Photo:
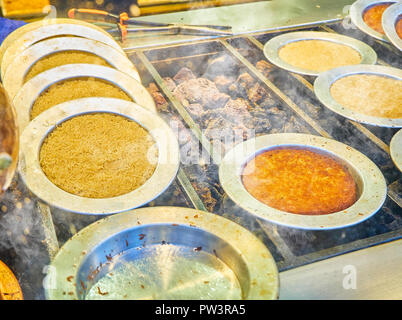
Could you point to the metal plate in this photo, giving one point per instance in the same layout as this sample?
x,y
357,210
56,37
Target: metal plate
x,y
389,20
396,149
173,242
14,76
356,14
32,89
369,179
41,186
9,287
46,31
13,36
272,47
322,87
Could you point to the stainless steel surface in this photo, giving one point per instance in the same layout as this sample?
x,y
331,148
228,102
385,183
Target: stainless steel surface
x,y
371,185
371,274
32,89
29,37
389,19
218,259
323,83
272,47
34,134
356,13
396,149
14,77
266,15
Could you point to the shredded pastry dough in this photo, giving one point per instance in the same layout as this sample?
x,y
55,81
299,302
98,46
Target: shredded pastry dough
x,y
98,155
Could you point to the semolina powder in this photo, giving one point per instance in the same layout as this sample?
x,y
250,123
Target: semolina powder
x,y
75,89
98,155
61,58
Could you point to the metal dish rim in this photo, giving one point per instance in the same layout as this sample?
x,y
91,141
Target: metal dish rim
x,y
396,149
373,189
272,47
389,19
324,81
35,179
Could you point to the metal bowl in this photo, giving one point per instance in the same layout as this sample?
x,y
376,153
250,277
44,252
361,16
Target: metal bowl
x,y
272,47
389,20
32,89
371,185
37,130
14,76
396,149
356,14
322,87
13,36
164,253
46,31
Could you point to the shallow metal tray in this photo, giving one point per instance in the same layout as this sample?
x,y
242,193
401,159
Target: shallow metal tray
x,y
389,20
370,182
396,149
14,76
356,14
34,134
46,31
32,89
322,87
13,36
171,253
272,47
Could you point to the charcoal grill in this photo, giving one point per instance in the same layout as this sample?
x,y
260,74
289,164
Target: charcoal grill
x,y
291,106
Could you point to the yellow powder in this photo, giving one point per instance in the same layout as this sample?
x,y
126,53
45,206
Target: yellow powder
x,y
62,58
98,155
318,55
24,5
370,95
75,89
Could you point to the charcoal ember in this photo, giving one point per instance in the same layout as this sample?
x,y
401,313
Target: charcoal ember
x,y
242,85
223,64
261,125
223,83
183,75
268,101
196,110
182,133
264,67
170,84
237,110
292,125
207,195
203,91
257,93
160,101
277,116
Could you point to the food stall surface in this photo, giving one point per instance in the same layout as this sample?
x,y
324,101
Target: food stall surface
x,y
266,100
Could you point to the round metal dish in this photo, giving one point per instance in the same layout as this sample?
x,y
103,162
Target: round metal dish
x,y
272,47
13,36
396,149
14,76
356,14
41,186
32,89
52,30
369,180
389,20
179,236
323,83
9,287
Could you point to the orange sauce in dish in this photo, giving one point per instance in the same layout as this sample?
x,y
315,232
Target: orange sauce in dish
x,y
372,16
